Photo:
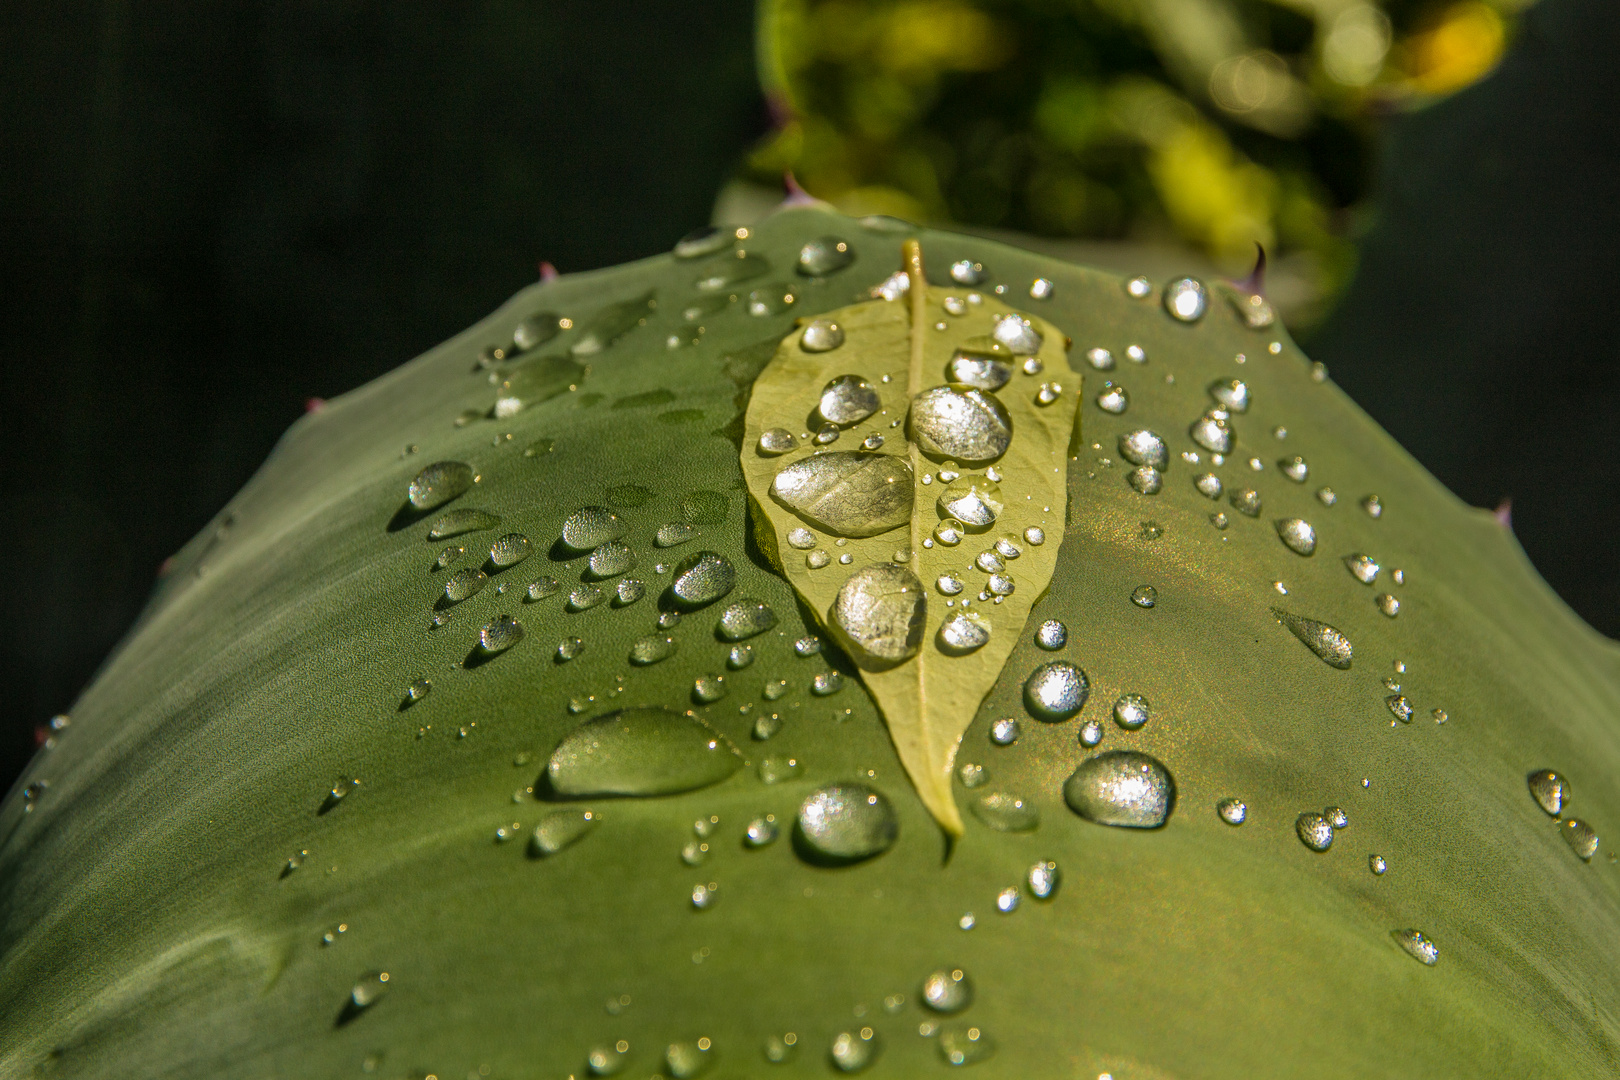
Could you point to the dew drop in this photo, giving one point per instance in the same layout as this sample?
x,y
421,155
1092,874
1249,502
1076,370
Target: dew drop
x,y
847,400
1007,901
1231,394
590,527
808,645
826,684
704,241
560,829
949,584
847,822
584,597
817,560
1417,946
1113,399
1145,479
1363,567
1004,811
853,1051
1091,733
1144,447
1550,790
1400,707
960,423
1315,831
1132,711
463,584
743,619
569,648
1325,496
509,550
989,562
948,990
1144,596
1246,501
967,272
448,556
683,1060
369,989
774,441
1186,299
611,559
702,578
1040,289
1297,535
824,256
1034,536
439,483
1389,605
1121,787
1583,841
607,1060
821,335
1043,879
1232,811
628,591
651,649
640,751
1056,691
973,501
461,521
963,633
1294,468
1372,506
849,493
1377,865
1004,732
879,615
500,634
974,369
1017,334
1212,432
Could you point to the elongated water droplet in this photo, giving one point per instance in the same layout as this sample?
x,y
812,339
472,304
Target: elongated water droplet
x,y
820,335
1144,447
1006,812
500,634
1388,604
948,990
702,578
591,526
1417,946
1232,811
1186,299
456,522
559,829
1044,878
847,822
960,423
1056,691
774,441
808,645
439,483
727,272
879,615
1315,831
850,493
1297,535
463,584
509,550
704,241
642,751
825,256
584,597
569,648
1400,707
847,400
775,768
1132,711
369,989
1550,790
652,649
1121,787
1583,841
1328,643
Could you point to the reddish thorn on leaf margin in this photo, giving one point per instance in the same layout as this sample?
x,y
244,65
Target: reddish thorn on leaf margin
x,y
796,195
1255,283
1504,513
314,404
547,272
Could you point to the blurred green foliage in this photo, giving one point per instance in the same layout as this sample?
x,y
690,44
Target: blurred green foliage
x,y
1215,123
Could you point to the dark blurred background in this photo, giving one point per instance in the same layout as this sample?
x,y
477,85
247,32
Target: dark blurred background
x,y
210,214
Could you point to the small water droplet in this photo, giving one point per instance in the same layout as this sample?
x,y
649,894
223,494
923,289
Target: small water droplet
x,y
1041,289
775,768
509,550
1113,399
1417,946
975,369
439,483
1246,501
500,634
1232,811
1132,711
683,1060
1583,841
761,831
809,645
824,256
1315,831
1144,596
948,990
1212,432
369,989
949,584
1372,506
1051,635
641,751
611,559
826,684
847,400
1091,733
873,441
967,921
590,527
1004,732
1326,496
584,597
1297,535
702,578
766,725
1231,394
1034,536
559,829
1294,468
1389,605
743,619
847,822
673,533
1363,567
960,423
949,532
652,649
1186,299
1336,817
963,633
1121,787
774,441
849,493
1007,901
629,591
448,556
972,775
1144,447
1377,865
463,584
972,501
1044,878
853,1051
821,335
1145,479
606,1060
461,521
569,648
695,853
1138,288
879,615
817,560
704,241
1550,790
1006,812
1056,691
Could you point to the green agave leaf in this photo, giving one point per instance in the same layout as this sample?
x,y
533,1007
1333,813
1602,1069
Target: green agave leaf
x,y
309,767
915,532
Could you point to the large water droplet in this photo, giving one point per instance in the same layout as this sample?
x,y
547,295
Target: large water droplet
x,y
965,1044
1417,946
500,634
879,615
1121,787
1186,299
702,579
559,829
960,423
853,1051
1143,447
1004,732
1132,711
651,649
439,483
1232,811
1212,432
1328,643
642,751
847,400
464,583
963,633
1056,691
1583,841
1232,394
825,256
1006,812
847,822
970,368
1315,831
456,522
1044,878
1550,791
851,493
591,526
1297,535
